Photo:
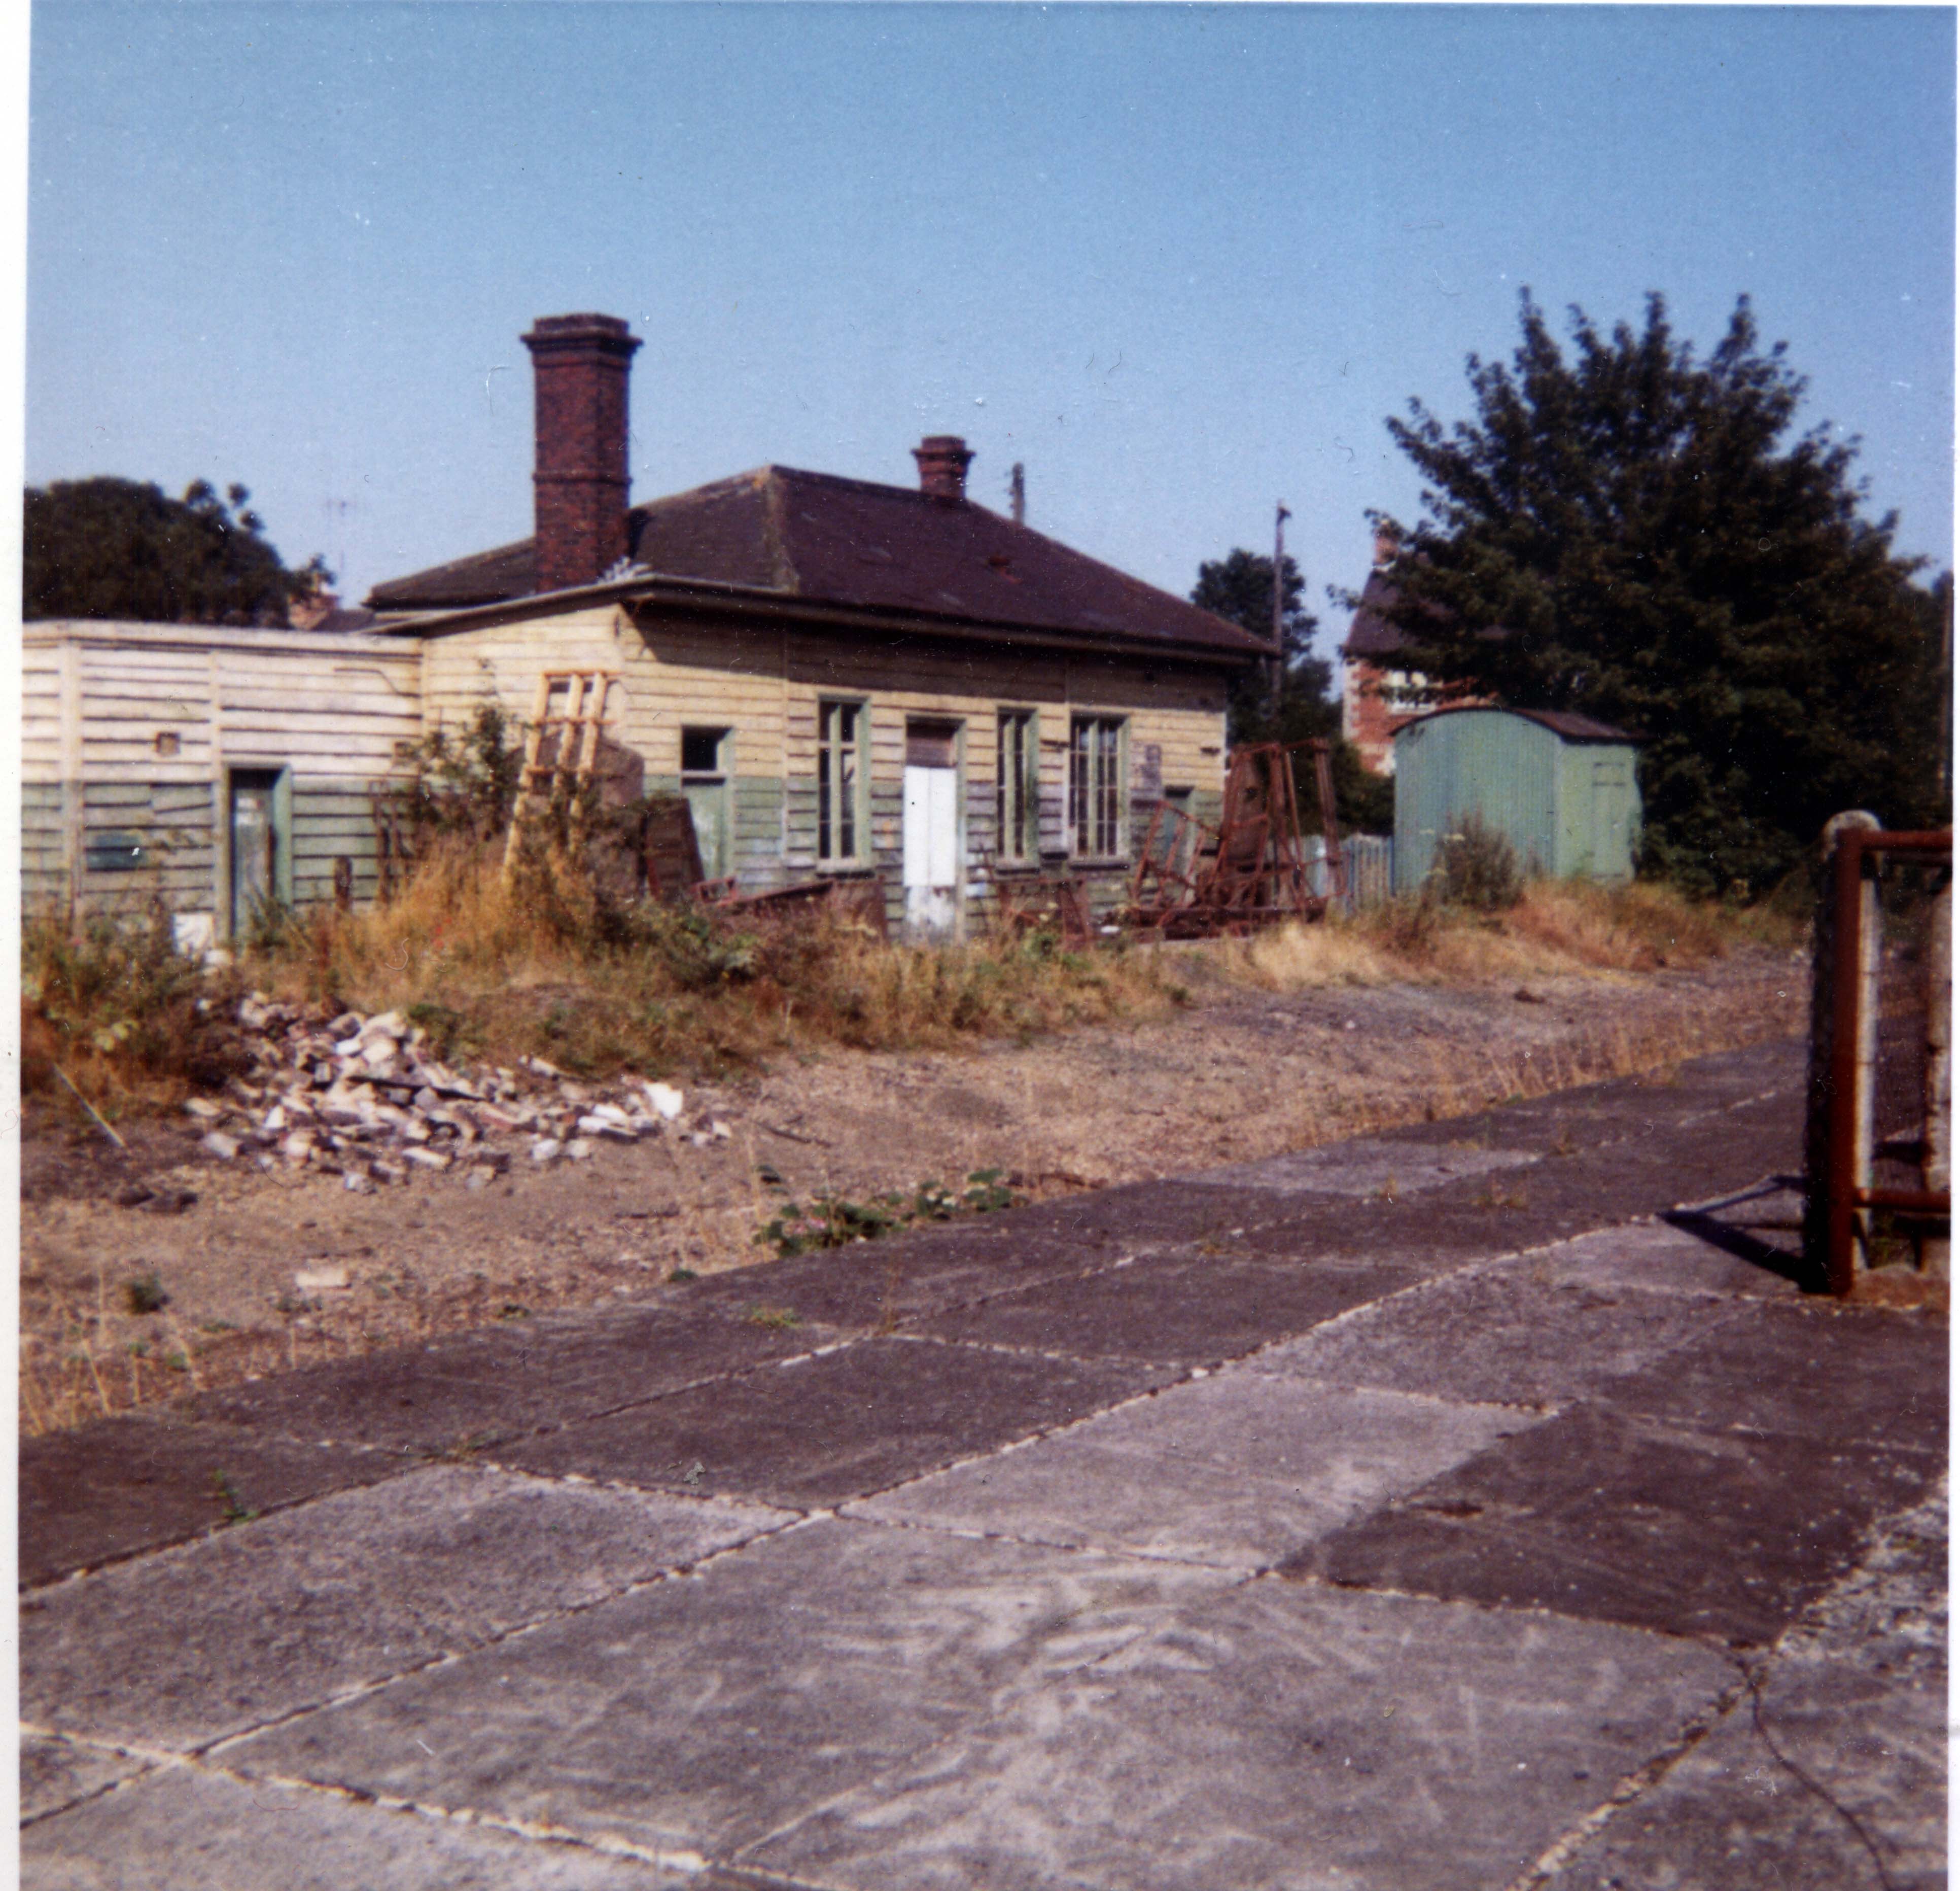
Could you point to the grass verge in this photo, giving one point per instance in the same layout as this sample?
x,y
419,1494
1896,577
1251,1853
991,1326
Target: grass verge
x,y
497,967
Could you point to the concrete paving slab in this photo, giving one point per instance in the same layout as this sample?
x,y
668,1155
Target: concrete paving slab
x,y
841,1425
501,1382
1831,1772
1815,1370
56,1772
1175,1309
1275,1737
107,1490
1498,1336
1655,1103
1653,1256
1236,1471
184,1647
1366,1167
186,1830
1138,1218
1595,1516
868,1285
707,1712
1510,1211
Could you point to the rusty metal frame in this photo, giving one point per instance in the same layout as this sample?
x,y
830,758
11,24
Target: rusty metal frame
x,y
1248,871
1844,1198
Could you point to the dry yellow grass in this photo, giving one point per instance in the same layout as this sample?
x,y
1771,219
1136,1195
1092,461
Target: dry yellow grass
x,y
1558,927
534,964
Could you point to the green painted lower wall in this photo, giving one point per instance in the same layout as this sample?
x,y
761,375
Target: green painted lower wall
x,y
143,843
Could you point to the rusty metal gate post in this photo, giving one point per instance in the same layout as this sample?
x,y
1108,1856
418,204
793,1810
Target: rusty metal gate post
x,y
1844,1016
1935,1161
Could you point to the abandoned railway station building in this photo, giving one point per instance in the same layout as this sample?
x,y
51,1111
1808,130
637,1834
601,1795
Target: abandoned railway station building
x,y
844,680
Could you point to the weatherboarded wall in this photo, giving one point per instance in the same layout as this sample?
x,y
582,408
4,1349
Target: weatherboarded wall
x,y
765,688
134,734
137,738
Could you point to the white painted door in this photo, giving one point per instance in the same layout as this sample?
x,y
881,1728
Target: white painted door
x,y
932,850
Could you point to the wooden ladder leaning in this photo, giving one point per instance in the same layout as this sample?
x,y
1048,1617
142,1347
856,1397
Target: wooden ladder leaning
x,y
561,745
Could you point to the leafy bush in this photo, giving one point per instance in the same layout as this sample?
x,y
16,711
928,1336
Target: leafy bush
x,y
1477,867
831,1222
465,783
112,1003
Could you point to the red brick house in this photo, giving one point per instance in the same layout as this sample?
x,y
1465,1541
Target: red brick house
x,y
1378,695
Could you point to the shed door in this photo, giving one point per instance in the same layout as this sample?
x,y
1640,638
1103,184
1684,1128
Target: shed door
x,y
932,828
1612,783
255,844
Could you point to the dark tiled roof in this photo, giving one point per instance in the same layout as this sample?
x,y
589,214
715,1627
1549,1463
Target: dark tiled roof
x,y
345,617
1577,728
488,577
1371,634
1560,722
827,540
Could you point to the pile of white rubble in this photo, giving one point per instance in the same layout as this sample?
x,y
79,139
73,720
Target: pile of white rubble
x,y
365,1099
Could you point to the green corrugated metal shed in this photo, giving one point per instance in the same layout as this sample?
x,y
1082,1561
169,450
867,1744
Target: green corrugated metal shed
x,y
1563,789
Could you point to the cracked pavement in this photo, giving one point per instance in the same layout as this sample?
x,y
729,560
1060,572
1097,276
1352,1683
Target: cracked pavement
x,y
1422,1511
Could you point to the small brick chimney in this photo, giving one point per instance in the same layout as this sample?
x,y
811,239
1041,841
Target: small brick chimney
x,y
579,364
943,460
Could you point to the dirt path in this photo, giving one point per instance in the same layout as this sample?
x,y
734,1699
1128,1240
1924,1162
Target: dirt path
x,y
252,1267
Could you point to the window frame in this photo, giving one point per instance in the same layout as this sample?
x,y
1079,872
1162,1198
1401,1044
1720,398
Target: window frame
x,y
1017,791
717,848
1098,754
843,777
720,771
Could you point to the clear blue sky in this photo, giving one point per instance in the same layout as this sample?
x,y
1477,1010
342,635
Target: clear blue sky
x,y
1182,261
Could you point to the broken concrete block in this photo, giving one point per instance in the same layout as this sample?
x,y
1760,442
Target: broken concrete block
x,y
357,1183
666,1100
204,1110
578,1150
320,1279
597,1126
221,1145
547,1149
426,1158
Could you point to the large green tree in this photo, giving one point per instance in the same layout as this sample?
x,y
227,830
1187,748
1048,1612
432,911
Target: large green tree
x,y
115,548
1637,533
1239,588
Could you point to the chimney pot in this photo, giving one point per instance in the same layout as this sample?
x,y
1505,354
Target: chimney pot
x,y
579,367
943,460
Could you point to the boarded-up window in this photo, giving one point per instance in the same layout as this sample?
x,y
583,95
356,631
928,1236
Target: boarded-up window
x,y
1095,787
1020,783
839,780
932,745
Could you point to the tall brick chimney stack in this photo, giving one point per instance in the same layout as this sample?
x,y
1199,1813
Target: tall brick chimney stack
x,y
580,364
943,460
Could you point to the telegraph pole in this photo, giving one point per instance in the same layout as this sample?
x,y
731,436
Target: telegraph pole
x,y
1276,669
